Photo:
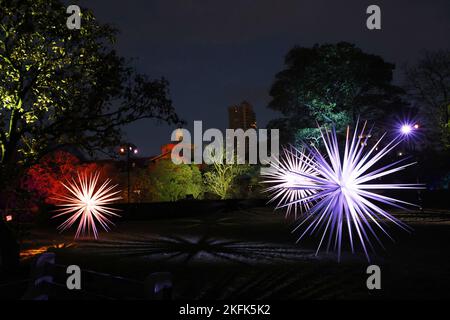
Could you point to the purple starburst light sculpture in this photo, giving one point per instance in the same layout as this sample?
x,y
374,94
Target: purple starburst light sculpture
x,y
88,201
343,193
286,175
407,128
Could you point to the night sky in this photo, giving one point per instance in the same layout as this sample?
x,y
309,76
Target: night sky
x,y
218,53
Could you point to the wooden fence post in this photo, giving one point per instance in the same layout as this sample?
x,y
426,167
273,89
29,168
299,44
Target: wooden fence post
x,y
158,286
41,277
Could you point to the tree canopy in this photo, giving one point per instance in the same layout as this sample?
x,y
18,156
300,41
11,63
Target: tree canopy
x,y
167,181
331,83
66,87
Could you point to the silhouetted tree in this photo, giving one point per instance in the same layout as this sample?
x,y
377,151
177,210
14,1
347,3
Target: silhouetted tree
x,y
331,83
66,87
220,177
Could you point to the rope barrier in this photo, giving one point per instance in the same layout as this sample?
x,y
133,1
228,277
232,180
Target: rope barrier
x,y
102,274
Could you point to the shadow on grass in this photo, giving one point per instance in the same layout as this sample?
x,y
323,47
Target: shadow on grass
x,y
199,249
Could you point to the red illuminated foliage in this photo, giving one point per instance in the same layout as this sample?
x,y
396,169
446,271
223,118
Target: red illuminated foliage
x,y
44,179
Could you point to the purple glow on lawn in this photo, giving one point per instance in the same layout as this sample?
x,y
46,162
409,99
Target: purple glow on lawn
x,y
342,191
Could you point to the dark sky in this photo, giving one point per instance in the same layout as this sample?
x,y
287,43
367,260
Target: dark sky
x,y
217,53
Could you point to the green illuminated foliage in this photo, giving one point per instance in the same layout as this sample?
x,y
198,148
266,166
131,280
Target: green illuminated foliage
x,y
332,84
63,87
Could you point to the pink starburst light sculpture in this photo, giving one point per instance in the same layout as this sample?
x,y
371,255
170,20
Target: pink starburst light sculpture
x,y
87,201
344,192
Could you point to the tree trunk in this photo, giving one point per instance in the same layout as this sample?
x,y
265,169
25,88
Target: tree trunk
x,y
9,249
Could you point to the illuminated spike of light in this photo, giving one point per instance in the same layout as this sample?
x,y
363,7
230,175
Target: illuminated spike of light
x,y
285,175
344,192
87,201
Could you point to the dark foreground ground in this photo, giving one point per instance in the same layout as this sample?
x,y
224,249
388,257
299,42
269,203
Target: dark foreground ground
x,y
245,254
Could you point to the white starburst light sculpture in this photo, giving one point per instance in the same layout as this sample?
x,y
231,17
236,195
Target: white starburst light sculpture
x,y
87,202
287,176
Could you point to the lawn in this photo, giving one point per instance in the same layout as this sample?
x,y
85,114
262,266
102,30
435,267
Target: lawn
x,y
252,254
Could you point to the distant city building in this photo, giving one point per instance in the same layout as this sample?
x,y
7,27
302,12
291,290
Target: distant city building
x,y
166,150
241,116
